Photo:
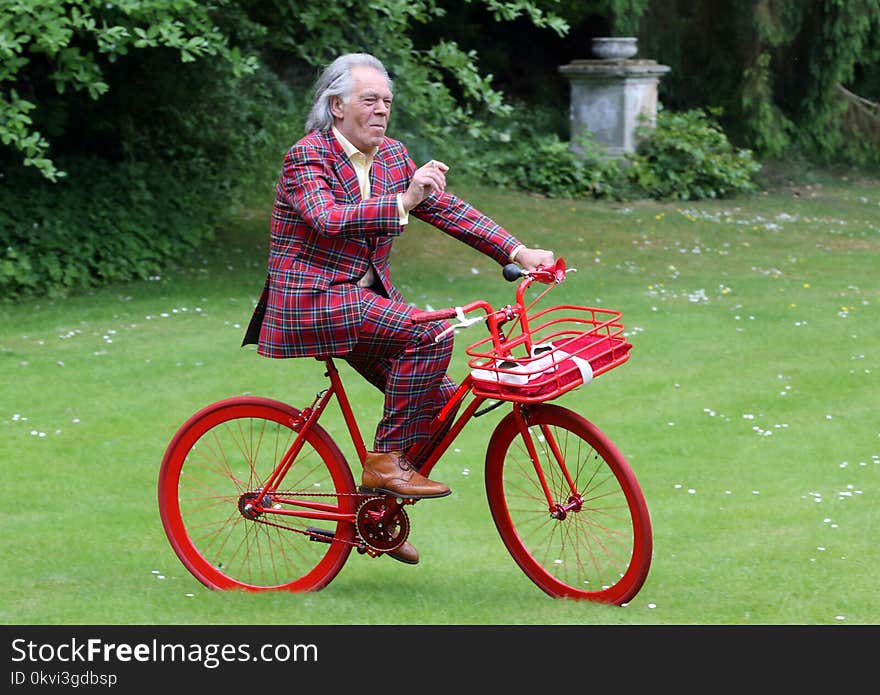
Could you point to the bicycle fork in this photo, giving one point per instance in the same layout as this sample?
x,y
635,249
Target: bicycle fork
x,y
557,510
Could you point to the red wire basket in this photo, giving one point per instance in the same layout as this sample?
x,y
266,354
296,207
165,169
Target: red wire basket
x,y
548,353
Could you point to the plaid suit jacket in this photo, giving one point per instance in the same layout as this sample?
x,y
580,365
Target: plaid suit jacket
x,y
324,237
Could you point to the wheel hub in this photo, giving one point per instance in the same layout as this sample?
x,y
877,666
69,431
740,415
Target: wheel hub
x,y
249,504
575,503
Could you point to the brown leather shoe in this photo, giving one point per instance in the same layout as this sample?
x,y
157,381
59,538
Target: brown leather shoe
x,y
389,473
405,553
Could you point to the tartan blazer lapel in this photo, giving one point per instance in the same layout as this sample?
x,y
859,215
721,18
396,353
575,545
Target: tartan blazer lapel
x,y
378,173
347,176
344,170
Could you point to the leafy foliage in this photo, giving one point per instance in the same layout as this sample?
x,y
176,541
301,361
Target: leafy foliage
x,y
775,67
91,230
50,48
686,156
69,45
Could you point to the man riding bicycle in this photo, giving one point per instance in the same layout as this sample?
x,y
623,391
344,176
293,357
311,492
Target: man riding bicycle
x,y
344,192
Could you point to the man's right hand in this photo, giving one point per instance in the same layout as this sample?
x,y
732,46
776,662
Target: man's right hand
x,y
428,179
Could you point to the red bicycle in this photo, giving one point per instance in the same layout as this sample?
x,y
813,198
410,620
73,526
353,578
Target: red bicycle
x,y
255,494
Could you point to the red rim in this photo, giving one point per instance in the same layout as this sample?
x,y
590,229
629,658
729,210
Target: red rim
x,y
220,454
601,550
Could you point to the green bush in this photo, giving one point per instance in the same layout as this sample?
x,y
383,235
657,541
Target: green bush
x,y
146,199
102,224
546,166
687,156
684,156
527,154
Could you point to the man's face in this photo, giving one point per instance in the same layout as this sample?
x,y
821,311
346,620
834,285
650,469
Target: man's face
x,y
364,117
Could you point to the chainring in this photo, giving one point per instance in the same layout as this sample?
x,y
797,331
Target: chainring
x,y
382,524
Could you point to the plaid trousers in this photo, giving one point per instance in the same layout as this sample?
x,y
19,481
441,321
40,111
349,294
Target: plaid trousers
x,y
402,359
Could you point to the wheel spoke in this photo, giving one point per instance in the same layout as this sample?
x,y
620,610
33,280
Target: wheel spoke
x,y
597,543
211,499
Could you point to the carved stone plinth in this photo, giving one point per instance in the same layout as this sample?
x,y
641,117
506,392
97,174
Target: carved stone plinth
x,y
609,97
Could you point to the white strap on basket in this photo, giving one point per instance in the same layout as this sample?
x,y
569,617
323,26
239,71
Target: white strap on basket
x,y
522,374
556,356
585,368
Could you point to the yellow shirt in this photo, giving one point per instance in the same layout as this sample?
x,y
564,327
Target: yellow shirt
x,y
360,161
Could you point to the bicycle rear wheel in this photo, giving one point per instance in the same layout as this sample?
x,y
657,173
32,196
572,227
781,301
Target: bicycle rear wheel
x,y
215,467
594,541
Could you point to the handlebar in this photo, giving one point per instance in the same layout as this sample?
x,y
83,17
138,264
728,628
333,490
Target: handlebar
x,y
513,272
551,275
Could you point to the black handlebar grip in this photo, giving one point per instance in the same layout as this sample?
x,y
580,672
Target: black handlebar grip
x,y
423,316
512,272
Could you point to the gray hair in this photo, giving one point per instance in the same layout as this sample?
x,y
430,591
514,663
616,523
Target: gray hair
x,y
335,81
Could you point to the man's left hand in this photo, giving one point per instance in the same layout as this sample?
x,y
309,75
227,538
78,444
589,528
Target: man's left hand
x,y
530,259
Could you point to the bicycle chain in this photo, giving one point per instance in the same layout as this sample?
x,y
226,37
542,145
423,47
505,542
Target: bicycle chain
x,y
358,543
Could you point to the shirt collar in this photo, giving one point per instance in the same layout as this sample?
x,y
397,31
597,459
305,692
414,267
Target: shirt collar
x,y
351,150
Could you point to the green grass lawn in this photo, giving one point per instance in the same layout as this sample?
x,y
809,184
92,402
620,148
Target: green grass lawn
x,y
748,410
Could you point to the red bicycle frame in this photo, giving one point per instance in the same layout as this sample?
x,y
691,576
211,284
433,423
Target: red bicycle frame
x,y
495,320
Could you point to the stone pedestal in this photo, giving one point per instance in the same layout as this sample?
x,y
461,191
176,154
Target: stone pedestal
x,y
609,97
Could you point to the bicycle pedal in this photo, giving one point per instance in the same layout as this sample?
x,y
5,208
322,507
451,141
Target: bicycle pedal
x,y
364,549
320,535
400,499
379,492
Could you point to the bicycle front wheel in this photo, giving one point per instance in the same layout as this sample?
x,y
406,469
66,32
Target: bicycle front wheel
x,y
574,519
215,468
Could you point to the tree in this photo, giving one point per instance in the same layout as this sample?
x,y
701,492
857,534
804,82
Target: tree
x,y
52,48
779,69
